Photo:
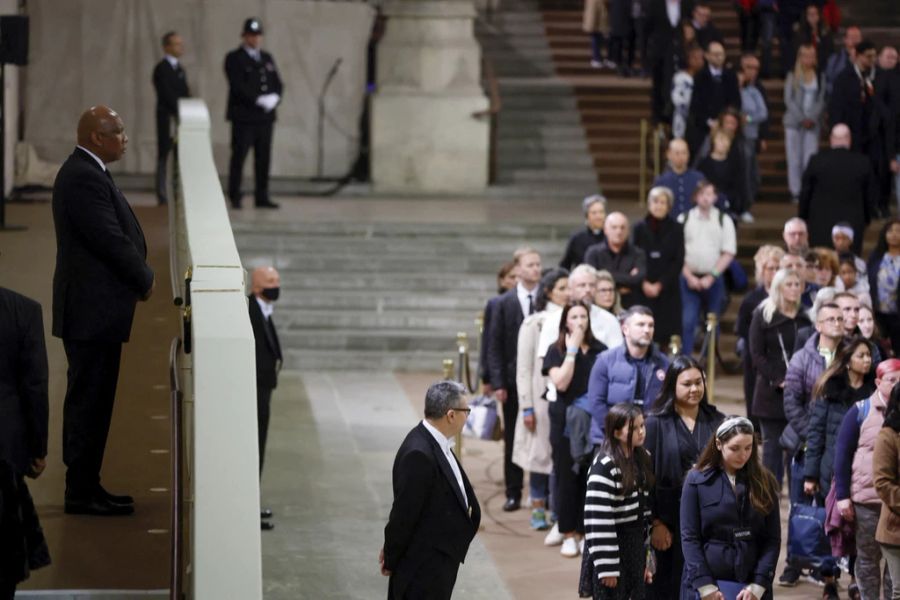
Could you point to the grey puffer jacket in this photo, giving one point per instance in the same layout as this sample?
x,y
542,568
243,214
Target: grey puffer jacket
x,y
804,369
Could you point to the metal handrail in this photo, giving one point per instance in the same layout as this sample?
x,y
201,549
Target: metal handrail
x,y
176,573
658,134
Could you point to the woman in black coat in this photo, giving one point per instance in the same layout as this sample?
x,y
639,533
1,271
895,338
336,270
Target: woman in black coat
x,y
849,378
676,433
766,262
662,240
773,333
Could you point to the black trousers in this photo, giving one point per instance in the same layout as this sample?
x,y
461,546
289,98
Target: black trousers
x,y
243,137
263,402
164,145
513,475
87,412
571,487
433,580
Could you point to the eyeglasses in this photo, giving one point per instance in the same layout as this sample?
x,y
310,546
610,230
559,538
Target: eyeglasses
x,y
465,410
606,290
832,320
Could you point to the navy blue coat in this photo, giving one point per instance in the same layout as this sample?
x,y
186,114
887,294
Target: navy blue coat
x,y
613,378
709,514
825,418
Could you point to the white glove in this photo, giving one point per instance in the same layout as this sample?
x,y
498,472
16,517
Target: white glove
x,y
268,102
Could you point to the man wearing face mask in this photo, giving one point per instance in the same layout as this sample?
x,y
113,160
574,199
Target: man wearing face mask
x,y
264,292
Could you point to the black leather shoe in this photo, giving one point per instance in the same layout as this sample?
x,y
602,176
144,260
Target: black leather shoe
x,y
511,504
113,498
266,513
267,204
97,506
266,525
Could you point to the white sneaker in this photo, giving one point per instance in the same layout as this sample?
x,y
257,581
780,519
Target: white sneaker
x,y
569,548
554,537
596,64
746,217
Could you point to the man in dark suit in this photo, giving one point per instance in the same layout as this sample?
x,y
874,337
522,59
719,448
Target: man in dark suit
x,y
511,309
265,289
838,185
853,98
101,273
663,31
435,513
704,29
23,435
254,90
715,89
170,84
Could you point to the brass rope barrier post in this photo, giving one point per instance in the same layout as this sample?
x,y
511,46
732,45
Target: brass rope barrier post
x,y
657,132
674,346
712,323
643,166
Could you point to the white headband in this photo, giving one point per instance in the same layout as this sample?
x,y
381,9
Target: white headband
x,y
731,423
848,231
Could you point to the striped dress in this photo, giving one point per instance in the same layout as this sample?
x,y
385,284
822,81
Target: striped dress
x,y
615,527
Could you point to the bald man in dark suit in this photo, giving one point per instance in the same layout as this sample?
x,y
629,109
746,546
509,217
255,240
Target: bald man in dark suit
x,y
101,274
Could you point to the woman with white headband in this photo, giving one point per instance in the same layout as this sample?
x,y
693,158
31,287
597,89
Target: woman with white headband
x,y
730,524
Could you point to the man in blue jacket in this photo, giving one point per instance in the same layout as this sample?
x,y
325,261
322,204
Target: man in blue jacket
x,y
632,372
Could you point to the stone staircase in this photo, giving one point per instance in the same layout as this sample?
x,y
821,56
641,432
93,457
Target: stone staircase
x,y
386,296
541,145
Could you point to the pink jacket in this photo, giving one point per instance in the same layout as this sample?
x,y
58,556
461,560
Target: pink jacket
x,y
862,486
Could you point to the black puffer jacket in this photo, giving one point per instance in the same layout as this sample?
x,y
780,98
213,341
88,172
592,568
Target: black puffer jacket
x,y
771,348
824,423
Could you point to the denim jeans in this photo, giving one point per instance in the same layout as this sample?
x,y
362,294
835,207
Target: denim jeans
x,y
692,301
538,486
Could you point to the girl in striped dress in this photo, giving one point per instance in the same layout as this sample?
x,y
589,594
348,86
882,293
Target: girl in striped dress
x,y
616,509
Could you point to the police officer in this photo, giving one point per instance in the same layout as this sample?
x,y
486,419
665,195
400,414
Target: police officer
x,y
170,83
254,92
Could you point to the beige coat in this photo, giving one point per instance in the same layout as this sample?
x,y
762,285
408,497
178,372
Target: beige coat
x,y
531,449
595,17
886,474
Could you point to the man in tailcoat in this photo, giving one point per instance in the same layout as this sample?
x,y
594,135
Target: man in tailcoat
x,y
170,83
101,273
435,514
265,289
254,90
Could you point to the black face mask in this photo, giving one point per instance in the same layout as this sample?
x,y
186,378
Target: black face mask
x,y
271,294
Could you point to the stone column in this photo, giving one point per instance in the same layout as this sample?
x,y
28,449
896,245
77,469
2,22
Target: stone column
x,y
424,137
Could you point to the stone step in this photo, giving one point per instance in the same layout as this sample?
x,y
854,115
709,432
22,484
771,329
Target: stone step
x,y
370,360
455,282
401,249
585,176
553,145
518,116
557,132
381,340
305,320
384,300
546,160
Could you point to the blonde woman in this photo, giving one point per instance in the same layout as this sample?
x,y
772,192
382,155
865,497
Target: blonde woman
x,y
765,261
606,295
804,100
773,333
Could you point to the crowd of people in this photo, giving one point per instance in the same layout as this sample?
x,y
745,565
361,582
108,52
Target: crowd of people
x,y
722,110
611,423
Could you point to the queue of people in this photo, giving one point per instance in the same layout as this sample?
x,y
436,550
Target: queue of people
x,y
633,469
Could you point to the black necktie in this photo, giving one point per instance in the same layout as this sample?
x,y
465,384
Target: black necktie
x,y
530,305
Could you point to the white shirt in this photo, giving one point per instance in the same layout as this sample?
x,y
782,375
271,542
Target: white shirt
x,y
266,307
714,71
94,156
253,52
523,295
172,61
446,445
705,239
673,10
